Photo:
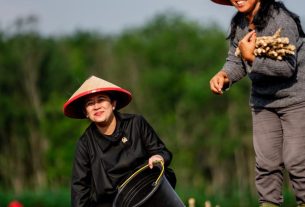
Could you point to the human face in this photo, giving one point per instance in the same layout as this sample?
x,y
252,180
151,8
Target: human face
x,y
250,7
99,109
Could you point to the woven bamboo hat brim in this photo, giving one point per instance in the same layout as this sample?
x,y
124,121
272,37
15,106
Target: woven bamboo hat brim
x,y
74,107
223,2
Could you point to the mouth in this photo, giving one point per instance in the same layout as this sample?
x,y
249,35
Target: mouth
x,y
99,113
240,3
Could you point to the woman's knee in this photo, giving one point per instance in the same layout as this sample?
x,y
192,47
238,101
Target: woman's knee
x,y
295,164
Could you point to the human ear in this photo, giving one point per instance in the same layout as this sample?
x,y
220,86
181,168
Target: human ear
x,y
113,105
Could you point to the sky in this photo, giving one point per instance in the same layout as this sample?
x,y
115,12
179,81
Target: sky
x,y
57,17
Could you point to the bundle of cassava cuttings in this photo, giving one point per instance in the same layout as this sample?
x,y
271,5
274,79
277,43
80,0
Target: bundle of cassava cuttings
x,y
275,46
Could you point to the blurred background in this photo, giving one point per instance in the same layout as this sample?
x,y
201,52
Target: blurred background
x,y
164,52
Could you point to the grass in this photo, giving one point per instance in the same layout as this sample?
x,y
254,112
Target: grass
x,y
46,198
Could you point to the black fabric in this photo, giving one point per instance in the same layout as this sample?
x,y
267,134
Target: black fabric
x,y
171,177
101,162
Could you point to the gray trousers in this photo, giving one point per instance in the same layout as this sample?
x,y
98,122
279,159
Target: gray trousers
x,y
279,143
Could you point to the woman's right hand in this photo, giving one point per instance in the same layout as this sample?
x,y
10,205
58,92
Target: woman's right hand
x,y
218,82
247,46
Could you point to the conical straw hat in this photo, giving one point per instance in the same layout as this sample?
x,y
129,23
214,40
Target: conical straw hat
x,y
223,2
74,107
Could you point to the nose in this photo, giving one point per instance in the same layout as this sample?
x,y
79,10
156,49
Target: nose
x,y
96,105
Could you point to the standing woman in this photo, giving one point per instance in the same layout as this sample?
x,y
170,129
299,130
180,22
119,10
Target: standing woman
x,y
113,145
277,98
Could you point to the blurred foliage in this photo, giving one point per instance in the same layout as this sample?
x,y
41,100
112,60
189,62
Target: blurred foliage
x,y
167,64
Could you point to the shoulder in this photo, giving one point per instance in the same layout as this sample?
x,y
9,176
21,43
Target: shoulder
x,y
84,138
131,117
87,141
135,120
283,18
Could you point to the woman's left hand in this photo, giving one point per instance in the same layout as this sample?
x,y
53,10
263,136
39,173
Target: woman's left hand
x,y
247,46
153,159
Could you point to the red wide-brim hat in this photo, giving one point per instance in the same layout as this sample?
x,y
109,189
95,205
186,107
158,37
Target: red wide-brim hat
x,y
223,2
74,107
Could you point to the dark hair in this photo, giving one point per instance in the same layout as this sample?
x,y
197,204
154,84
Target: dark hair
x,y
263,15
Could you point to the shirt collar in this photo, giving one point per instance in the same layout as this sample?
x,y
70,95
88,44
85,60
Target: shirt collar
x,y
107,140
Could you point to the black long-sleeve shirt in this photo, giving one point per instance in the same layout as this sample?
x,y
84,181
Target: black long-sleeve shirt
x,y
102,162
